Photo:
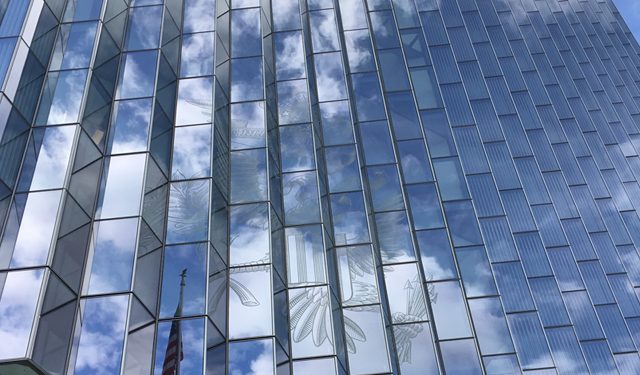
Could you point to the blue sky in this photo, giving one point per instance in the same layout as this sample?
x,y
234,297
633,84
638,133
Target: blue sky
x,y
630,10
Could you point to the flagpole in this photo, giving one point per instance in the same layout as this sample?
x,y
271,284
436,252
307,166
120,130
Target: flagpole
x,y
183,283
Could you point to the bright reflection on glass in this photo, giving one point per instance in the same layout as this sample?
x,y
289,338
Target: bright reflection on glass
x,y
491,326
30,229
121,194
177,259
46,166
249,234
195,102
188,211
191,152
250,310
342,169
111,263
192,334
101,337
130,127
319,366
19,292
251,357
394,237
296,148
435,251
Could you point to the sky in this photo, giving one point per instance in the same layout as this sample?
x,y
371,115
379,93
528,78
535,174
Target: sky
x,y
630,10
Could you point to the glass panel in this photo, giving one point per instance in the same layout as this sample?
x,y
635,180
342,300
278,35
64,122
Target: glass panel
x,y
449,311
18,300
404,293
249,234
247,125
74,46
121,194
300,198
244,354
248,176
130,127
46,167
61,100
460,357
386,192
30,229
188,211
476,272
425,206
394,237
330,77
246,79
293,102
199,15
415,349
191,152
305,255
437,258
190,261
311,305
342,169
366,340
414,161
491,326
195,101
296,148
349,219
250,310
144,28
102,331
111,263
324,35
289,53
191,333
357,275
138,75
81,10
196,58
245,33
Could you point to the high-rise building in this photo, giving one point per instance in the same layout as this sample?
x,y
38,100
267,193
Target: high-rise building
x,y
317,187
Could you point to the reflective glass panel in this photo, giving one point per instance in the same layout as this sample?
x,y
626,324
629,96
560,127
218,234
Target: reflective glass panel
x,y
122,190
305,255
191,152
248,125
195,101
188,211
249,234
111,264
18,301
250,302
102,331
46,166
130,127
192,335
190,261
138,75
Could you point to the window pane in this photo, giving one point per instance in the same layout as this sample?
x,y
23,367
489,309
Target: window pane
x,y
130,127
191,152
177,259
111,266
188,211
194,101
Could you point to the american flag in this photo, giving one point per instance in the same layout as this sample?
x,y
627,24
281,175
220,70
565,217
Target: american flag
x,y
174,353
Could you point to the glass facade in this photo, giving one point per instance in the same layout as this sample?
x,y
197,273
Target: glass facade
x,y
317,187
